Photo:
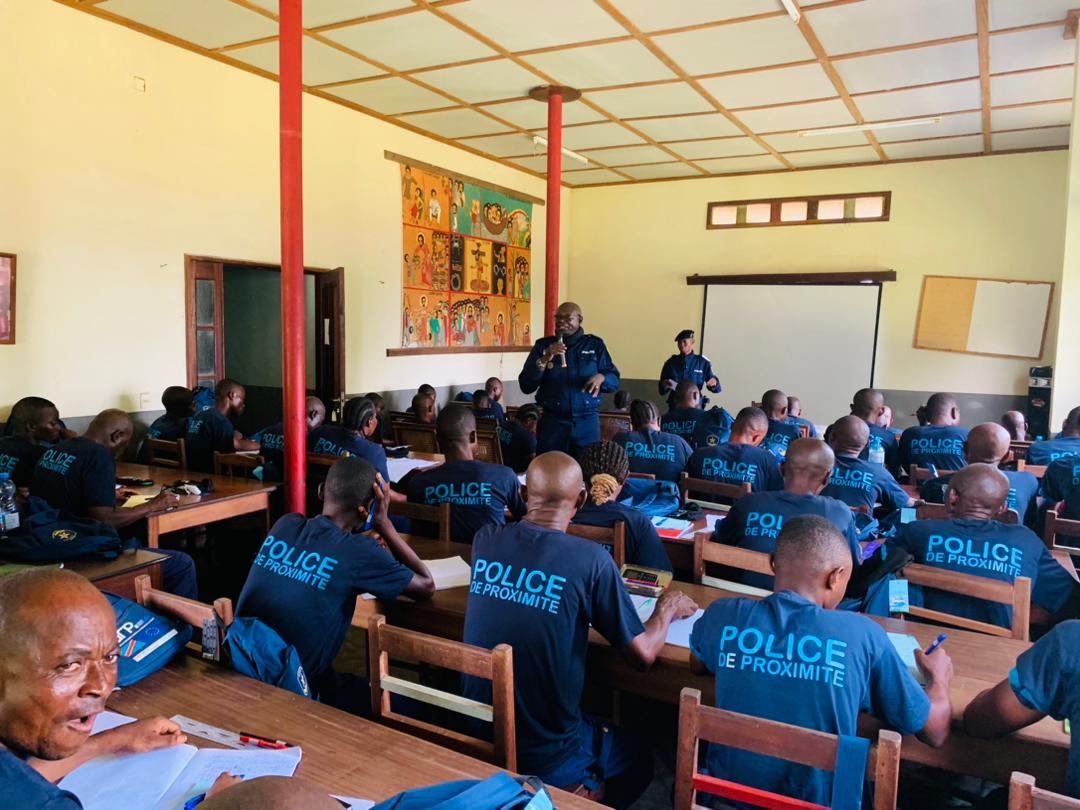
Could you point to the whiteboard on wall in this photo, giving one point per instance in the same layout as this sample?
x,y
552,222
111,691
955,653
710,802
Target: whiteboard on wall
x,y
995,317
814,342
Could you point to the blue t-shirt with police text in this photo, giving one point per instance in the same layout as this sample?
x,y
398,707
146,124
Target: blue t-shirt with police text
x,y
787,659
272,449
861,483
539,590
334,440
208,432
479,494
518,445
684,423
737,464
643,544
1049,451
76,475
940,445
1061,478
18,457
655,452
780,437
304,582
1023,489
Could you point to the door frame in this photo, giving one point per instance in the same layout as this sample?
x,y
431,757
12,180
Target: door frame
x,y
212,267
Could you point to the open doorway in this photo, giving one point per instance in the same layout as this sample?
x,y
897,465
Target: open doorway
x,y
234,330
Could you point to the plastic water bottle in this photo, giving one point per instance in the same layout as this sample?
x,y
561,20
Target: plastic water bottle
x,y
9,512
877,451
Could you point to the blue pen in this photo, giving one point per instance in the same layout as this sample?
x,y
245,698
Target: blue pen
x,y
937,643
194,801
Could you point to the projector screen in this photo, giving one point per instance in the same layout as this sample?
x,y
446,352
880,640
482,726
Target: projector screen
x,y
814,342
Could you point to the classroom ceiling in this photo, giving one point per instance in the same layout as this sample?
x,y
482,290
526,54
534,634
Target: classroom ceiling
x,y
671,88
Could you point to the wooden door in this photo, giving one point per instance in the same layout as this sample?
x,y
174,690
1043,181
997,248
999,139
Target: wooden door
x,y
330,340
204,297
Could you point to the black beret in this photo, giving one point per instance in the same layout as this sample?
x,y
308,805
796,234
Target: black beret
x,y
685,334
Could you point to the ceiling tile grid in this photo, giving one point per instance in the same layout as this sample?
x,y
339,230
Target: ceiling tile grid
x,y
671,89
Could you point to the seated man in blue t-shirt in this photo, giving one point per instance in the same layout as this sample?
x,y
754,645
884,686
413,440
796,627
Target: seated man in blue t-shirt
x,y
518,437
795,417
869,405
781,432
35,424
272,439
857,482
988,443
179,404
792,658
1045,681
604,467
79,476
353,437
1061,479
494,389
649,449
971,541
1065,444
479,493
686,415
940,442
739,460
58,666
211,431
539,589
308,573
755,520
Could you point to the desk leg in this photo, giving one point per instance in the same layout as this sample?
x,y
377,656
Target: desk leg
x,y
152,533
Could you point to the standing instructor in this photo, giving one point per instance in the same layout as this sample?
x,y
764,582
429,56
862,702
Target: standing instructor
x,y
687,366
569,371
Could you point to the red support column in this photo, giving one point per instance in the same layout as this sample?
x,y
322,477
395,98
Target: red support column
x,y
552,208
290,15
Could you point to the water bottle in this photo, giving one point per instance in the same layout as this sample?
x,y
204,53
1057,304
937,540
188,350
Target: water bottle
x,y
9,512
877,451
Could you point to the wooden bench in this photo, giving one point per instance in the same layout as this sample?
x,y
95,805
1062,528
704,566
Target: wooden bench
x,y
614,538
732,492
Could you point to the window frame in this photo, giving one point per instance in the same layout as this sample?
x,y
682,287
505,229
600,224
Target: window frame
x,y
812,201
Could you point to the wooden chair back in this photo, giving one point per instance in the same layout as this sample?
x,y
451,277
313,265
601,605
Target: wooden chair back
x,y
645,476
937,511
1019,449
614,538
1016,595
816,749
1038,470
318,467
237,465
419,437
436,515
804,430
495,665
612,424
488,447
730,491
859,510
917,473
399,416
1057,526
163,453
197,614
1023,795
742,559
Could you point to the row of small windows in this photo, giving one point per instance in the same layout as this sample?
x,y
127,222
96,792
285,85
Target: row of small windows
x,y
824,210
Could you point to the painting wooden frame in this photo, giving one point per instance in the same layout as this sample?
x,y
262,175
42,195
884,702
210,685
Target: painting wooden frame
x,y
7,298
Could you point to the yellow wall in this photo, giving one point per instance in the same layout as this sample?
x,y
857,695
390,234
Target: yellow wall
x,y
1001,216
105,189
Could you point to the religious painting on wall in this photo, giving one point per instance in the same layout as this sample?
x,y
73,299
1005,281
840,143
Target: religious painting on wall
x,y
466,264
7,297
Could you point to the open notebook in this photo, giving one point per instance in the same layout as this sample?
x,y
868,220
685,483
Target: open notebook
x,y
167,778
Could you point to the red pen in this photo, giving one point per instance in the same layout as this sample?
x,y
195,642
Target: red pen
x,y
263,742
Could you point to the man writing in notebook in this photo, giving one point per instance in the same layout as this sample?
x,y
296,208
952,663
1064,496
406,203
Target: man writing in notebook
x,y
538,588
792,658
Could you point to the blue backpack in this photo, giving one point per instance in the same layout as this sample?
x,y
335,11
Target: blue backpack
x,y
255,650
52,535
498,792
147,641
651,497
203,398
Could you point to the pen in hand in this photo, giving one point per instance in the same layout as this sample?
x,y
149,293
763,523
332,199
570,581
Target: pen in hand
x,y
937,643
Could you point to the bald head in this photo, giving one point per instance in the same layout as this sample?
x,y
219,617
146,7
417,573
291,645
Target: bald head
x,y
941,409
568,318
456,425
774,403
812,558
794,406
687,394
112,429
849,436
555,490
272,793
1016,423
750,426
867,404
987,443
58,661
424,408
978,491
807,466
315,412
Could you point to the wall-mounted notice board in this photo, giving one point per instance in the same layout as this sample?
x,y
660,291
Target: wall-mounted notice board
x,y
988,316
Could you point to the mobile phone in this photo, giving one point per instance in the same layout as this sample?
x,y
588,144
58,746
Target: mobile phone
x,y
907,514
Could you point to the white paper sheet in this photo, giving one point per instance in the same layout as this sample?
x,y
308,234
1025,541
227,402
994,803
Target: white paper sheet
x,y
400,467
451,572
354,803
209,763
679,630
906,646
109,720
137,781
711,521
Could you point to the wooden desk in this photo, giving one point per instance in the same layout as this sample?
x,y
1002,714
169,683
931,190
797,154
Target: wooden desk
x,y
342,754
118,576
980,662
231,498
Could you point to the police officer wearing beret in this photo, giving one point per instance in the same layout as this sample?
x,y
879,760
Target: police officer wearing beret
x,y
570,371
687,366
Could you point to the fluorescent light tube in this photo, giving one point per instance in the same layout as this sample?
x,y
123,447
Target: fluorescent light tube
x,y
540,141
909,122
792,10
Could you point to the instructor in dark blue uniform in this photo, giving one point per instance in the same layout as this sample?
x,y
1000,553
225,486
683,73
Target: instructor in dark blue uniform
x,y
687,366
569,371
